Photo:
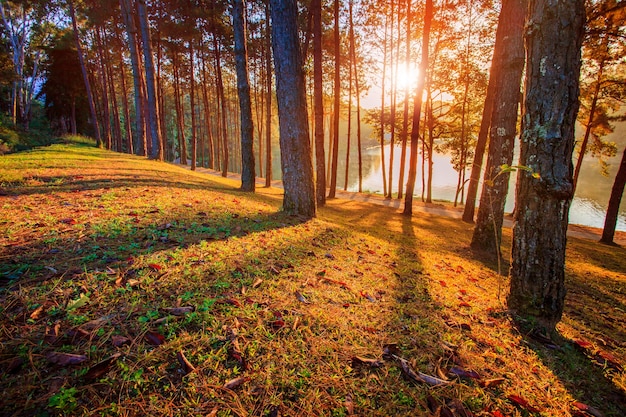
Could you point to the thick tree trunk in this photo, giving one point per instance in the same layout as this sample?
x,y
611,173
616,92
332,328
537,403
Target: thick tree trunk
x,y
554,33
417,110
153,108
318,98
507,69
245,103
83,69
297,167
612,211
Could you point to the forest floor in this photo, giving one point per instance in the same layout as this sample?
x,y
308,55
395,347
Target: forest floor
x,y
132,287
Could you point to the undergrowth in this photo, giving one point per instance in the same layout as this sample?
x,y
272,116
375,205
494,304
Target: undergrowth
x,y
131,287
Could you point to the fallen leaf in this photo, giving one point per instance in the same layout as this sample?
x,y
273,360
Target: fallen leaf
x,y
155,267
155,339
78,303
230,301
68,221
179,311
65,359
583,344
302,298
373,363
522,402
443,283
235,382
418,376
496,414
369,297
349,405
464,304
101,368
462,373
119,341
258,282
184,362
97,323
37,313
587,409
490,383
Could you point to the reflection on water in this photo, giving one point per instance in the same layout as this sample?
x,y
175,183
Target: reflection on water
x,y
588,207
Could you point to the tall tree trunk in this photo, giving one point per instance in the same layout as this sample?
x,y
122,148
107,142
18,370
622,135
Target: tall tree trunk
x,y
83,69
243,90
394,95
612,211
417,110
222,102
268,112
507,69
336,104
589,127
106,125
135,60
550,107
295,146
127,122
207,118
192,105
382,109
318,98
405,118
180,112
153,108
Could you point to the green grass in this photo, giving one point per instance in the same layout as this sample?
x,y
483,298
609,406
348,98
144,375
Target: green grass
x,y
107,254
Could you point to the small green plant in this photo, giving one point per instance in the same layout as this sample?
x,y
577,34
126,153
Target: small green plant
x,y
64,400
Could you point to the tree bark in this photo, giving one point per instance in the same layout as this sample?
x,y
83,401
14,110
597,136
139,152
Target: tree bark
x,y
192,105
318,99
554,33
336,105
507,69
417,110
405,119
297,167
612,212
83,69
268,111
243,89
153,109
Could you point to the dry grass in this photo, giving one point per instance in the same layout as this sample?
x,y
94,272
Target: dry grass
x,y
97,248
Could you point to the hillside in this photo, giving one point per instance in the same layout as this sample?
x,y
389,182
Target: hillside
x,y
133,287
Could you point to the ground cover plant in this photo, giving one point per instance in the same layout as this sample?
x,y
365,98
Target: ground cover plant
x,y
133,287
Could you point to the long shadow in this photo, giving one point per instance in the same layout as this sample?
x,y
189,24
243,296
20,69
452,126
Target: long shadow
x,y
111,245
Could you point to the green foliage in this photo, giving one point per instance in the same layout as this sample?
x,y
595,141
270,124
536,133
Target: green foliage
x,y
64,401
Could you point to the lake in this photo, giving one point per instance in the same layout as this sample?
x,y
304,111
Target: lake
x,y
588,207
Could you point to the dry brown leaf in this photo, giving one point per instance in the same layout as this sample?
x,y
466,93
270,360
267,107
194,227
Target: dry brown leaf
x,y
184,362
235,382
101,368
65,359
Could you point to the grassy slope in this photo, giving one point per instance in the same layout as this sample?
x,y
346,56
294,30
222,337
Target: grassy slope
x,y
135,238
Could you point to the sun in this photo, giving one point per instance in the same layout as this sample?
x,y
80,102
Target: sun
x,y
407,76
